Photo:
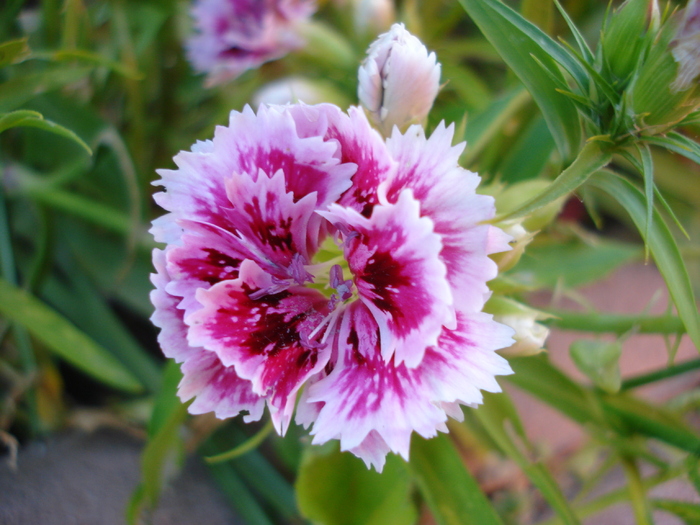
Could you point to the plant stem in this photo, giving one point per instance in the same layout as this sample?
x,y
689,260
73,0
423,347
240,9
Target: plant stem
x,y
243,448
658,375
615,323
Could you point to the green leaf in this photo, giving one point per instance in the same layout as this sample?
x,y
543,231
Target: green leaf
x,y
164,442
678,143
662,245
69,55
591,158
600,361
33,119
650,421
648,174
571,264
64,339
688,512
336,488
585,50
536,375
482,127
528,157
14,51
496,414
451,492
518,41
21,89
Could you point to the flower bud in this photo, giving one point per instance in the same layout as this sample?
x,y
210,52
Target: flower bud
x,y
398,81
373,16
623,38
529,336
686,49
664,91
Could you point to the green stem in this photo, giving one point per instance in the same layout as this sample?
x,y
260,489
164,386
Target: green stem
x,y
637,492
658,375
243,448
592,157
615,323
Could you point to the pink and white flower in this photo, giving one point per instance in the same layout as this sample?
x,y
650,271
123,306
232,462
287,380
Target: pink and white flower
x,y
232,36
311,263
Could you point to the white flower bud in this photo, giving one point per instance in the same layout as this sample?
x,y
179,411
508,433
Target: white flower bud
x,y
529,335
398,81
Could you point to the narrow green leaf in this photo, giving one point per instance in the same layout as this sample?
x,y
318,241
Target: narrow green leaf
x,y
648,175
678,143
66,341
32,119
451,492
67,55
236,491
662,245
336,488
591,158
517,41
482,127
9,120
164,442
20,89
536,375
651,421
585,50
497,412
688,512
14,51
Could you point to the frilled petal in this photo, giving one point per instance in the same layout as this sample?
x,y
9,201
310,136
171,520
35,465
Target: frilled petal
x,y
217,388
359,144
429,167
373,406
263,333
268,141
394,257
272,227
364,393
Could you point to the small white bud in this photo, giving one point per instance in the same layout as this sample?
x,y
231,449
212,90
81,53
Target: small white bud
x,y
529,334
398,81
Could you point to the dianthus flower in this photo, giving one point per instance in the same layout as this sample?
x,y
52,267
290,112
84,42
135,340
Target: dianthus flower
x,y
308,258
232,36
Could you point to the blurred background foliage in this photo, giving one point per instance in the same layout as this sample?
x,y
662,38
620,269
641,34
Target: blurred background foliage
x,y
96,95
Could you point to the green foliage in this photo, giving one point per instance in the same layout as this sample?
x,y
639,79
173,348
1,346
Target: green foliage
x,y
95,96
336,488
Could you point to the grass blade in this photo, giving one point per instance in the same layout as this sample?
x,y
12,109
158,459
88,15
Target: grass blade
x,y
64,339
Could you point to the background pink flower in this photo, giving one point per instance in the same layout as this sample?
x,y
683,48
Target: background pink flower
x,y
232,36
